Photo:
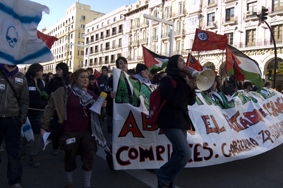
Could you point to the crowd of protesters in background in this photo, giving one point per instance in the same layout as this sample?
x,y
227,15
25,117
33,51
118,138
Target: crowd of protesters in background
x,y
43,86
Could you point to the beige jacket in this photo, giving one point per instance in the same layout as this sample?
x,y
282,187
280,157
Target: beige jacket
x,y
56,102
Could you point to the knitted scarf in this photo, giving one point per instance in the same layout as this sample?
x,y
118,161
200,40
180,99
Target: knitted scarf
x,y
86,99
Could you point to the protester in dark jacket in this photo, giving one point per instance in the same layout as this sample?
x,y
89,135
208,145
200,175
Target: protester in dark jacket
x,y
37,101
93,85
60,79
13,112
103,79
174,119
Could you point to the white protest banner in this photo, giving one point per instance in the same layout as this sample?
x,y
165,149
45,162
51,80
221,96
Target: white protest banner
x,y
226,128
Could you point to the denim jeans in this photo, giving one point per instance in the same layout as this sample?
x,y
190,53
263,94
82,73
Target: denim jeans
x,y
10,130
179,158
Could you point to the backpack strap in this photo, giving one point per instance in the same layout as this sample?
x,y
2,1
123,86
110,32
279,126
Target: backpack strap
x,y
173,82
67,91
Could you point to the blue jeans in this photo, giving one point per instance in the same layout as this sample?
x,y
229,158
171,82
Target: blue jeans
x,y
179,158
10,130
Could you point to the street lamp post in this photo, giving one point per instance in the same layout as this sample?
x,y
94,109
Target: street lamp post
x,y
83,46
171,24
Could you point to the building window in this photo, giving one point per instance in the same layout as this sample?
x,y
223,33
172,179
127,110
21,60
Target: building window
x,y
165,49
277,5
120,28
144,35
167,12
178,27
229,15
230,38
83,17
277,32
120,42
252,7
178,46
82,26
181,7
155,13
250,37
107,32
154,33
106,60
210,2
210,18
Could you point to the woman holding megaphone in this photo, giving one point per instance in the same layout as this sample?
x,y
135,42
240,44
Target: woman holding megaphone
x,y
179,92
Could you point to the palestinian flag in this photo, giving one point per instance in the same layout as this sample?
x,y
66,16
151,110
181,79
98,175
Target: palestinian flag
x,y
242,66
153,60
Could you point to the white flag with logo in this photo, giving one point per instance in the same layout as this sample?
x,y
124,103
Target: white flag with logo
x,y
19,43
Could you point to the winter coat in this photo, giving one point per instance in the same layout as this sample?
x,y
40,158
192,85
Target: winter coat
x,y
55,83
35,99
9,106
175,113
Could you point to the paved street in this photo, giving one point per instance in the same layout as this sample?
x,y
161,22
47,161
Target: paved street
x,y
263,171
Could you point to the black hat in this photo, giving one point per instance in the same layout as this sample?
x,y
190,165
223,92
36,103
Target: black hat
x,y
153,71
173,62
140,67
91,77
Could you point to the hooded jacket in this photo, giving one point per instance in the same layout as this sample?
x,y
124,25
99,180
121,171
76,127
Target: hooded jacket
x,y
9,106
175,113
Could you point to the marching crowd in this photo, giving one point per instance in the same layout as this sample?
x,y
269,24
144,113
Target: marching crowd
x,y
64,99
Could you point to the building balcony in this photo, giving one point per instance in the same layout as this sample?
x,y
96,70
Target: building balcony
x,y
211,25
135,43
144,24
165,35
178,33
231,21
276,11
135,26
144,40
250,16
212,4
228,1
154,38
178,14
